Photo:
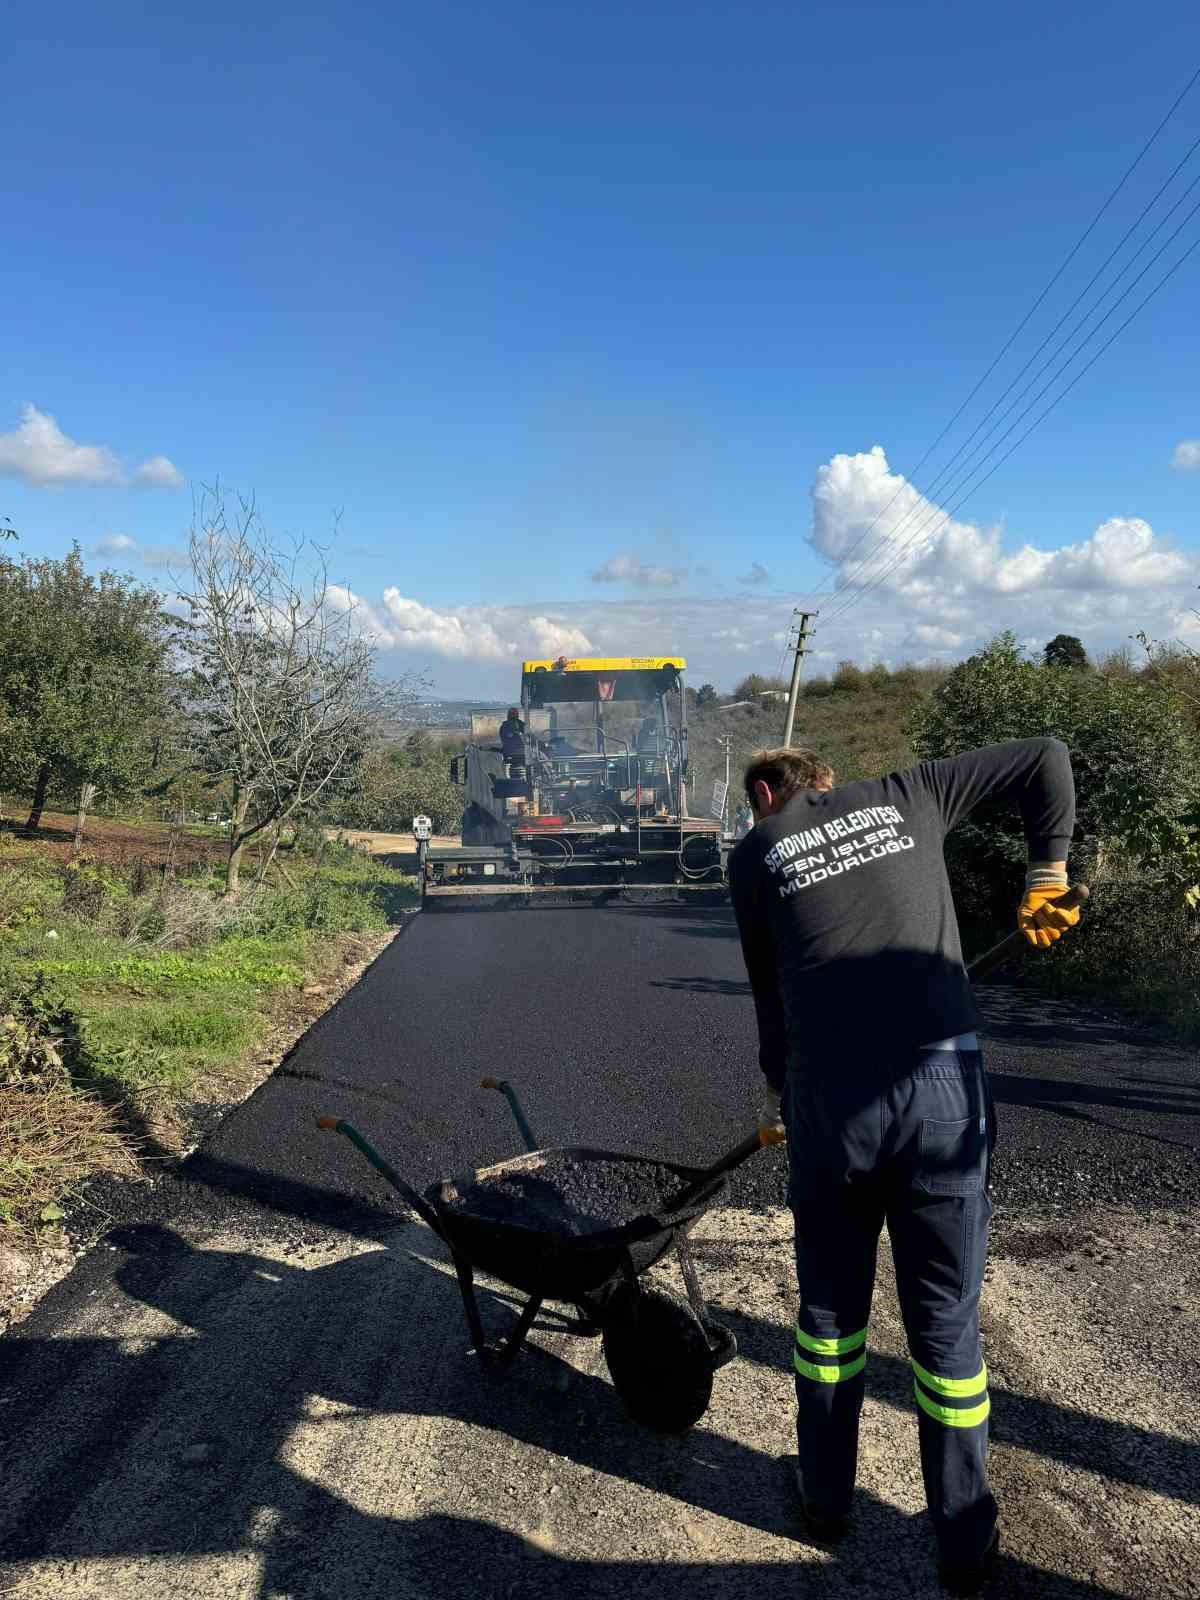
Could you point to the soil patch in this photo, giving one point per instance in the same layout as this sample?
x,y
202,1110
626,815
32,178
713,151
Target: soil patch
x,y
119,843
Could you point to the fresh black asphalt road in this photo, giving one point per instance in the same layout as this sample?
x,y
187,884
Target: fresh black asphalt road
x,y
630,1027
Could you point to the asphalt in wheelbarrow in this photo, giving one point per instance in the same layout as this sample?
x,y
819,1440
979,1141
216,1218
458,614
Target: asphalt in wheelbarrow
x,y
570,1195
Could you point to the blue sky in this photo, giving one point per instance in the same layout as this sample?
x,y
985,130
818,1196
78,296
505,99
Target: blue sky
x,y
532,292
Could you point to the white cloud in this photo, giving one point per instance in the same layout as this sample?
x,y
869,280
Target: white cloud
x,y
43,456
955,589
1186,457
558,638
468,633
446,633
758,574
115,544
882,534
159,473
120,544
933,637
632,570
41,453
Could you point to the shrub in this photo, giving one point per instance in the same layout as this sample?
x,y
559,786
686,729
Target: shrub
x,y
39,1032
1137,772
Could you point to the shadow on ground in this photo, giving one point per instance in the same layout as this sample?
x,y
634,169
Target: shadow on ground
x,y
263,1340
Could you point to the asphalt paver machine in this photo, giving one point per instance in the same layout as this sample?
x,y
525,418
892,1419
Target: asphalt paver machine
x,y
588,795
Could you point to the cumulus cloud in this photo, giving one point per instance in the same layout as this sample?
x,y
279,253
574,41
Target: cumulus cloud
x,y
115,544
41,453
1186,457
881,533
43,456
632,570
931,637
467,633
159,473
758,574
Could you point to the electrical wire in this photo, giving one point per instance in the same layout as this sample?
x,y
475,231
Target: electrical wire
x,y
966,471
861,594
932,488
1019,329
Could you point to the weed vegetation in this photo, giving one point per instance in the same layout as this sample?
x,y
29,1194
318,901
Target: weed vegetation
x,y
124,993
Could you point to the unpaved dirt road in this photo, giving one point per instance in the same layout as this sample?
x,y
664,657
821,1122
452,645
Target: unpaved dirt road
x,y
258,1384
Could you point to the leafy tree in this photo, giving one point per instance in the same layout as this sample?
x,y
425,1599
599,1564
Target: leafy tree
x,y
388,792
1065,650
754,684
83,671
706,695
418,747
1137,772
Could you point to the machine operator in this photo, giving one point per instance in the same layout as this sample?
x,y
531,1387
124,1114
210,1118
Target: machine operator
x,y
512,742
867,1040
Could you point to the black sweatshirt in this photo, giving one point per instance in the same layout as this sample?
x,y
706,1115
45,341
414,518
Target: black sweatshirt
x,y
844,908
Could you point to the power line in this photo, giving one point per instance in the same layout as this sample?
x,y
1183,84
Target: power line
x,y
1019,329
948,515
949,465
973,465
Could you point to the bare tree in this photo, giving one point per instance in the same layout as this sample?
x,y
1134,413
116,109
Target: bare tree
x,y
283,698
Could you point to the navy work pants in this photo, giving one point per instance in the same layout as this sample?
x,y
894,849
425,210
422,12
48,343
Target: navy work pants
x,y
908,1145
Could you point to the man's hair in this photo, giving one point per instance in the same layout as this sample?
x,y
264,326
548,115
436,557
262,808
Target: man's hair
x,y
786,771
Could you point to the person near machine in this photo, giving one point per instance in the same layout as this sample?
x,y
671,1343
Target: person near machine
x,y
647,737
512,743
867,1041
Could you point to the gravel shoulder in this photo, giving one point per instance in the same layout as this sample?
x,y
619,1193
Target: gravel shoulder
x,y
300,1416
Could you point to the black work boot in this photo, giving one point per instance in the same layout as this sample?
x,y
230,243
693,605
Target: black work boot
x,y
825,1530
970,1580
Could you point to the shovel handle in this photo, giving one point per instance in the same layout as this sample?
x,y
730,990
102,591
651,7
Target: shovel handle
x,y
726,1163
1016,941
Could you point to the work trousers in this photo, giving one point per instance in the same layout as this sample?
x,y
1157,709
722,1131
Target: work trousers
x,y
908,1144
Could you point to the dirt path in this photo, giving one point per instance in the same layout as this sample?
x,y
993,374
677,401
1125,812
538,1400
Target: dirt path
x,y
268,1419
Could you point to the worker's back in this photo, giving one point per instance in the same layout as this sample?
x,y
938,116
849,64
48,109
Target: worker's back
x,y
847,890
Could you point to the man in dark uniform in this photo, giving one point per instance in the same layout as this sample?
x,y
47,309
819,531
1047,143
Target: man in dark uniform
x,y
512,743
867,1040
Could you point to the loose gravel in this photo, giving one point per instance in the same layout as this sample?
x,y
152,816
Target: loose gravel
x,y
569,1194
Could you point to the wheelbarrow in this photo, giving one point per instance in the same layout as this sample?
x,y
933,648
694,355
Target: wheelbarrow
x,y
661,1351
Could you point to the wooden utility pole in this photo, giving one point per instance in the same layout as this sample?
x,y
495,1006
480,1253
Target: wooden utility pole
x,y
803,634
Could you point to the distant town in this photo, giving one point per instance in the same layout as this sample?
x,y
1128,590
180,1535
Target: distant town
x,y
445,713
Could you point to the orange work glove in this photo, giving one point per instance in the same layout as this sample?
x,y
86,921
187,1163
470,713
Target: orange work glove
x,y
1039,919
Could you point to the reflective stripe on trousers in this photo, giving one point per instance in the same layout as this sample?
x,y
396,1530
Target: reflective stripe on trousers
x,y
910,1147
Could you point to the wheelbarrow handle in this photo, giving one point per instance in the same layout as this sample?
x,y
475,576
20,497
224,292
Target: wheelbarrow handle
x,y
1016,941
384,1167
510,1094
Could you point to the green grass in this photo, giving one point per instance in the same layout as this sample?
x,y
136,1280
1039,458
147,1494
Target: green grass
x,y
152,1021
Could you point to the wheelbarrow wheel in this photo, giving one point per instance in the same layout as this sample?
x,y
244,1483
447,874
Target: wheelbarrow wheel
x,y
659,1359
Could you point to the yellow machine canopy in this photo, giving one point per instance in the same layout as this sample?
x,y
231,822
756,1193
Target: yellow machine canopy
x,y
600,678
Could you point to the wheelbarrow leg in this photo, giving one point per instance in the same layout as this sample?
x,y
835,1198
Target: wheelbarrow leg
x,y
498,1358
